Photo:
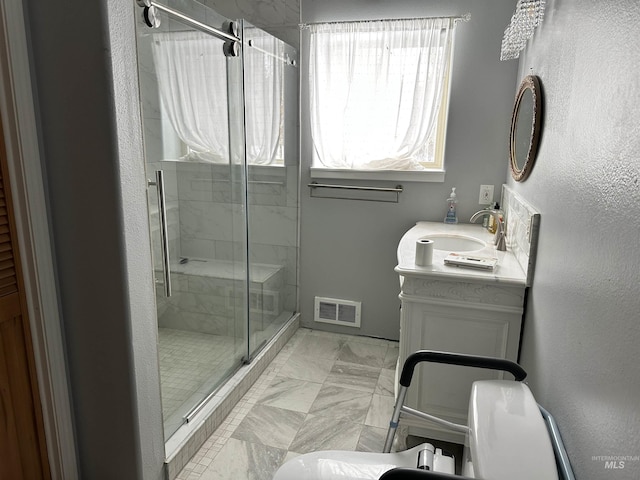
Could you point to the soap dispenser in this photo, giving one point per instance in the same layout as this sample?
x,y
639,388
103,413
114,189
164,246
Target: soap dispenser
x,y
452,202
493,224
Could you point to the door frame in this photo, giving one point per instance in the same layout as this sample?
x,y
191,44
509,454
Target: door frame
x,y
17,108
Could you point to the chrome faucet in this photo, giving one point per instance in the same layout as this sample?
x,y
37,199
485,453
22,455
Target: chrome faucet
x,y
499,240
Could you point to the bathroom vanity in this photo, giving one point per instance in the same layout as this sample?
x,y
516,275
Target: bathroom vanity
x,y
455,309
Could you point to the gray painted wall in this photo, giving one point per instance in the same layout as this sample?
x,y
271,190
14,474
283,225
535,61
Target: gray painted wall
x,y
581,332
348,248
83,58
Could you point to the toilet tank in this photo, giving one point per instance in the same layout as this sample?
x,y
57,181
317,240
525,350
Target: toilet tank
x,y
508,437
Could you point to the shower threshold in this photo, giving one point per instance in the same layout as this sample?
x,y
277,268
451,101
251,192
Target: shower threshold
x,y
187,439
191,415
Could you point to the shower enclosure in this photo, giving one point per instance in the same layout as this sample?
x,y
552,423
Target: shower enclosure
x,y
219,112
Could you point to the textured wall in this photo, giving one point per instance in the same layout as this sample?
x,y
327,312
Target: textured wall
x,y
581,334
348,248
84,63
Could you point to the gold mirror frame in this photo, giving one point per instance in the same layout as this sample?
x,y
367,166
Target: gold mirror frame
x,y
521,166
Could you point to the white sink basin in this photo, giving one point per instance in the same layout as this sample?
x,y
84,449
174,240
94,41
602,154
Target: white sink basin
x,y
455,243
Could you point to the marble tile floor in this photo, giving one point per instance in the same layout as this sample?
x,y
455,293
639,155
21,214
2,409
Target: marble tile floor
x,y
323,391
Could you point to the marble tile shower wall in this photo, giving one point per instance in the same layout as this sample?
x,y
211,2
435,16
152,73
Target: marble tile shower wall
x,y
210,304
211,217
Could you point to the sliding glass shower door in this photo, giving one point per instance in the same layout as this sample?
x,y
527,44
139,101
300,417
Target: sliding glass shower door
x,y
270,77
222,192
193,129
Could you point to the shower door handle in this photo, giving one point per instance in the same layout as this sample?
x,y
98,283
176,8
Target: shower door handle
x,y
164,235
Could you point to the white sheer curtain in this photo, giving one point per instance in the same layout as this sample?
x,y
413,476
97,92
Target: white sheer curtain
x,y
264,70
375,89
193,86
192,82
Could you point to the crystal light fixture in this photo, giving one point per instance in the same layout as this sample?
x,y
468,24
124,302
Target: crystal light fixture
x,y
525,19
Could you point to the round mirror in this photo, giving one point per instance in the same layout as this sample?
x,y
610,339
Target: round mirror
x,y
525,128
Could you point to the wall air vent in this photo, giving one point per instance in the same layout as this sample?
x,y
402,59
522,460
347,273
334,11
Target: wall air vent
x,y
338,312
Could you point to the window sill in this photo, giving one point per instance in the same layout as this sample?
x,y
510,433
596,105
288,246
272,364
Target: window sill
x,y
390,175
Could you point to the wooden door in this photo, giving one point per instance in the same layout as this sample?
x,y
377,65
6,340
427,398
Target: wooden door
x,y
23,452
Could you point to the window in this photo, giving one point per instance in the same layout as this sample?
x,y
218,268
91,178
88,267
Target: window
x,y
379,94
194,87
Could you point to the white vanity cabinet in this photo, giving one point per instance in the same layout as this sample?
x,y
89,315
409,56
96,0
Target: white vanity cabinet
x,y
458,310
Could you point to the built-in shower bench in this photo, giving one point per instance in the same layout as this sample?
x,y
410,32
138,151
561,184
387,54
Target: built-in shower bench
x,y
207,293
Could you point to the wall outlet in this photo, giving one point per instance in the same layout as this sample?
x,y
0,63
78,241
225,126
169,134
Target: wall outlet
x,y
486,195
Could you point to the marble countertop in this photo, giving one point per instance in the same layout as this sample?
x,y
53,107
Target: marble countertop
x,y
507,271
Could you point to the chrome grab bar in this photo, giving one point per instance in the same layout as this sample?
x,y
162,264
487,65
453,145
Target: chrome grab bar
x,y
164,235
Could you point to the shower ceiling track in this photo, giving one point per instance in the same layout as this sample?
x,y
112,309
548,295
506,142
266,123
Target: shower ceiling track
x,y
231,38
150,17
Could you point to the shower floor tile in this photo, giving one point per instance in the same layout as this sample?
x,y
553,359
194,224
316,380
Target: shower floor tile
x,y
322,391
191,364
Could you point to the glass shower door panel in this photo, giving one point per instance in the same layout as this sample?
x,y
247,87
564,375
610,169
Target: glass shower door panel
x,y
198,250
272,186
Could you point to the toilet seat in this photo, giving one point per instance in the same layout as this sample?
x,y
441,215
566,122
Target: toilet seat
x,y
343,465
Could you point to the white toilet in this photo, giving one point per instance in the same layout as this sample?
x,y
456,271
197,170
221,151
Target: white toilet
x,y
507,438
343,465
